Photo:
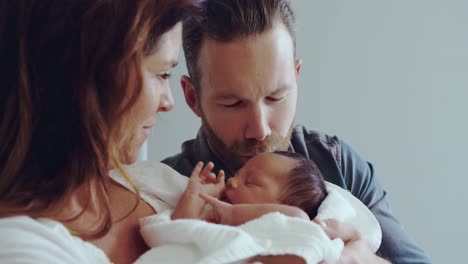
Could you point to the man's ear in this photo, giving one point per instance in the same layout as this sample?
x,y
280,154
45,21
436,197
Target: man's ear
x,y
190,94
298,65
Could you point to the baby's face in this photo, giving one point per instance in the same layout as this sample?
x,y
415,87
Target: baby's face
x,y
260,180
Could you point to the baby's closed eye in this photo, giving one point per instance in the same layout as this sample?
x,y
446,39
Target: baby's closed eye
x,y
251,182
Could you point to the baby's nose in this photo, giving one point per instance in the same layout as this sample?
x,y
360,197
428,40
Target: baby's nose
x,y
232,183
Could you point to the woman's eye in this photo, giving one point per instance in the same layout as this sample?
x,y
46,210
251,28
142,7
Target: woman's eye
x,y
164,76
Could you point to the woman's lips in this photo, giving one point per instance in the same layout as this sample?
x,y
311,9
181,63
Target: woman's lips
x,y
147,130
149,126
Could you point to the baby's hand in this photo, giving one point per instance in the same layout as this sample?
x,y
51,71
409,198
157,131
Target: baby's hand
x,y
221,212
203,180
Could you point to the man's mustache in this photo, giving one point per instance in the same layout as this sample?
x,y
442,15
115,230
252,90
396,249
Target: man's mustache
x,y
254,147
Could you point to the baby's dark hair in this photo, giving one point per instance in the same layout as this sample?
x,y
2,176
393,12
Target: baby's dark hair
x,y
305,187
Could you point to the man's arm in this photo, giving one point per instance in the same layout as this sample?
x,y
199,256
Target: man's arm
x,y
342,166
397,245
356,249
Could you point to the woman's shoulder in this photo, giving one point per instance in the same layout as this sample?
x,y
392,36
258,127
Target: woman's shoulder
x,y
155,171
158,184
28,240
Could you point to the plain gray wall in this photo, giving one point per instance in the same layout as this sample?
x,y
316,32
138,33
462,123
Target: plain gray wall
x,y
391,79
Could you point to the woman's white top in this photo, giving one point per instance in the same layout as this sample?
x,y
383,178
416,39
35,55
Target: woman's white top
x,y
27,240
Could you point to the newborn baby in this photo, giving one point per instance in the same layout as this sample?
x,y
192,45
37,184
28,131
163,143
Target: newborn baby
x,y
270,202
280,181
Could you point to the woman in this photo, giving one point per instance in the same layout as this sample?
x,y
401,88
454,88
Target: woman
x,y
81,84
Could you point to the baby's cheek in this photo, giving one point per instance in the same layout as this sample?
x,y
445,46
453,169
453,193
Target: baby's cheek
x,y
251,198
239,197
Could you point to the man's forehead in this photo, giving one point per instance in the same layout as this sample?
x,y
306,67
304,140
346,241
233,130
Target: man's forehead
x,y
278,35
244,67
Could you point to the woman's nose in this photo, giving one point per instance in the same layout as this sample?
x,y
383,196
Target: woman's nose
x,y
167,101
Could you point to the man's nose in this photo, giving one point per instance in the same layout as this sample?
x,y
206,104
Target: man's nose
x,y
258,127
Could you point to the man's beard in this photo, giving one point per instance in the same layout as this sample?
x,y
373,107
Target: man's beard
x,y
237,154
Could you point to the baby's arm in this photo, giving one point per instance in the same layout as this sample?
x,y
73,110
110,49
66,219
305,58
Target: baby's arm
x,y
204,181
224,213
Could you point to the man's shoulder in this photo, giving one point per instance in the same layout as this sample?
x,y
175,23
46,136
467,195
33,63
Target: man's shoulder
x,y
176,159
310,142
313,136
182,162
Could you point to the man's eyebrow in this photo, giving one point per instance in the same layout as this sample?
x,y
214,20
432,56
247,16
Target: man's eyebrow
x,y
281,89
226,97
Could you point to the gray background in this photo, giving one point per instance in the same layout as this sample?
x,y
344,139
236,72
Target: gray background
x,y
391,79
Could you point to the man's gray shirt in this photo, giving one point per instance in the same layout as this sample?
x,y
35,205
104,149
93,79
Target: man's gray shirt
x,y
340,165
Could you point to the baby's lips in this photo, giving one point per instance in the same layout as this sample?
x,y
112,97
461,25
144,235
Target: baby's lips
x,y
224,197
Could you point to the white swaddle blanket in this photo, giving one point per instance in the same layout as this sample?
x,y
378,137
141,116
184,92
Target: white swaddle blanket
x,y
196,241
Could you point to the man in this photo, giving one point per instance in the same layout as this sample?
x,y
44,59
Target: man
x,y
243,85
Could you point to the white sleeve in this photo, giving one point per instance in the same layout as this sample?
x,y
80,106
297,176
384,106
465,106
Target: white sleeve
x,y
27,240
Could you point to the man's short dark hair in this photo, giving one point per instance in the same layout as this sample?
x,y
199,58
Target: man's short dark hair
x,y
229,20
305,187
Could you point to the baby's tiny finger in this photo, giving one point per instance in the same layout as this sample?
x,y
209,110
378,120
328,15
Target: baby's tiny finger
x,y
221,176
208,198
208,168
197,168
212,177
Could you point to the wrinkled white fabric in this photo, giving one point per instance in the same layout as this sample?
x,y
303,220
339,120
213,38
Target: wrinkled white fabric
x,y
208,243
27,240
196,241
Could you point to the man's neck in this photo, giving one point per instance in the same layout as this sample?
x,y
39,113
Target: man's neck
x,y
229,168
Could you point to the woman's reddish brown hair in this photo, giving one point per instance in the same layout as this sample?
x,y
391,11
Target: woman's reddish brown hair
x,y
69,72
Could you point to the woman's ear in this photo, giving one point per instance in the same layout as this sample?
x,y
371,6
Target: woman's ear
x,y
190,94
298,65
